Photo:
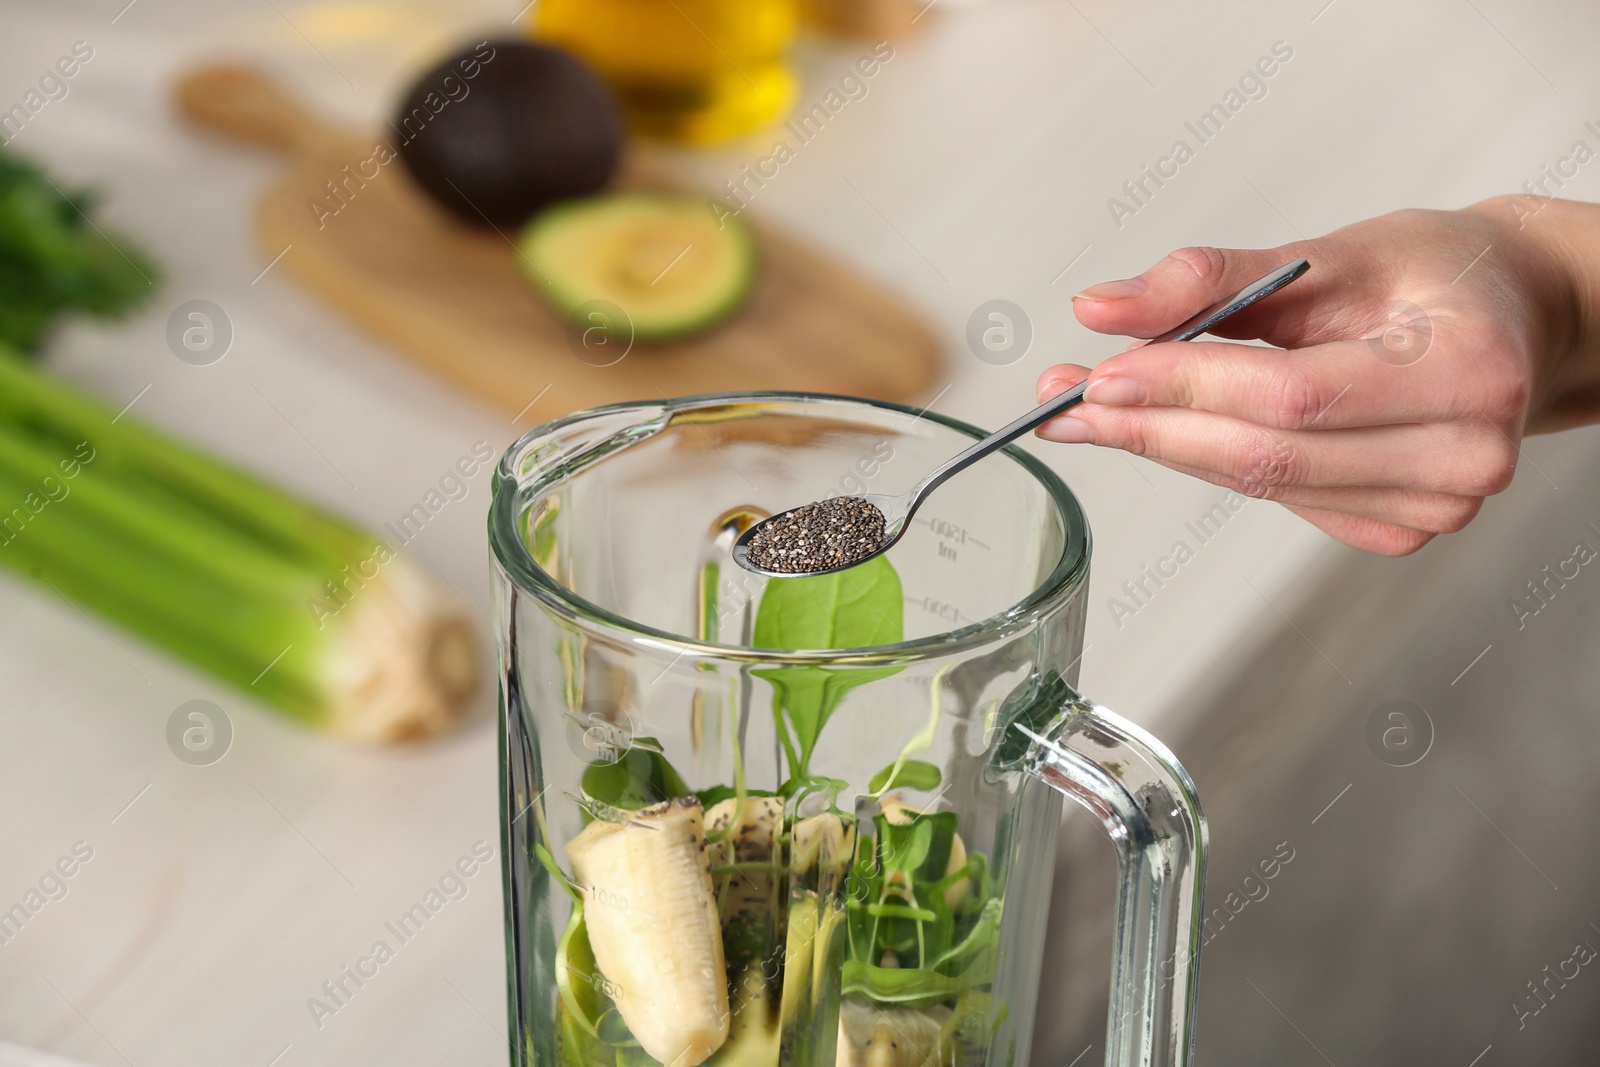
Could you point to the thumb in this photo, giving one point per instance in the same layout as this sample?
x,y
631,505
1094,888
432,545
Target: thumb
x,y
1192,279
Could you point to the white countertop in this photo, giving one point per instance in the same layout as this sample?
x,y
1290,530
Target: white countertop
x,y
218,899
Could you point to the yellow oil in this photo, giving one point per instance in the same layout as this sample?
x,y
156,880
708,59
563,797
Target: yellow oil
x,y
689,71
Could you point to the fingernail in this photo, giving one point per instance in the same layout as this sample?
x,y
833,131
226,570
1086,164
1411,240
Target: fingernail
x,y
1119,290
1116,392
1068,429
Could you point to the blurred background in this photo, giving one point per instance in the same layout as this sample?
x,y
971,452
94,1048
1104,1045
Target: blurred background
x,y
225,251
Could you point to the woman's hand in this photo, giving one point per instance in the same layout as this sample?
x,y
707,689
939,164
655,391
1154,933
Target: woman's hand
x,y
1420,348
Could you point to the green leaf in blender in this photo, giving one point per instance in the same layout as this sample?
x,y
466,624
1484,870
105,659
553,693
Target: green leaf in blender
x,y
548,862
856,608
910,774
899,985
1034,704
919,847
579,1047
853,608
578,979
718,793
981,943
640,777
967,965
634,1056
798,789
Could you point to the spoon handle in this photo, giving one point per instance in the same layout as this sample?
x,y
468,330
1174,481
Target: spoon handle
x,y
1257,290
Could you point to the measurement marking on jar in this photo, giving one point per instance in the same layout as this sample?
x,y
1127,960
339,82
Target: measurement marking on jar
x,y
602,895
940,608
951,536
604,985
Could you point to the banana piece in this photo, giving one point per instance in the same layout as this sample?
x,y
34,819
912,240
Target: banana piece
x,y
821,848
822,843
654,930
753,1035
747,898
870,1036
899,813
799,948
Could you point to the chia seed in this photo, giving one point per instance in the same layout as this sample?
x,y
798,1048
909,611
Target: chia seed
x,y
818,537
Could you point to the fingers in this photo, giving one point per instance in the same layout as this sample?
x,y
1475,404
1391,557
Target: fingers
x,y
1425,512
1191,279
1457,458
1052,383
1058,379
1367,534
1328,386
1385,520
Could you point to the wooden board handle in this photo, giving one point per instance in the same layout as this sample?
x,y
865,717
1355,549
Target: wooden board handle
x,y
247,104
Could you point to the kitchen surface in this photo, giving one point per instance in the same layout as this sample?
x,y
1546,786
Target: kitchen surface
x,y
1002,150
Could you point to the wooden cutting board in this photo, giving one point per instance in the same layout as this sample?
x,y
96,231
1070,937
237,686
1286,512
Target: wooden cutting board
x,y
451,298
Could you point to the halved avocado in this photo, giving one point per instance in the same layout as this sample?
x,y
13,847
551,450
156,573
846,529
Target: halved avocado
x,y
669,262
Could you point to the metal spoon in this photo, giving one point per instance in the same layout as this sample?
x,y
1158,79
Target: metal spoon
x,y
898,510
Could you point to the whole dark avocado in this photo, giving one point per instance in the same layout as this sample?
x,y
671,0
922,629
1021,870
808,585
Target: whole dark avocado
x,y
504,128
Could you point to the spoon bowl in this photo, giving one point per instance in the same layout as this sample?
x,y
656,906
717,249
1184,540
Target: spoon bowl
x,y
896,510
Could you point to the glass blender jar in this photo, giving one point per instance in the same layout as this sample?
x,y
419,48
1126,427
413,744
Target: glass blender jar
x,y
809,821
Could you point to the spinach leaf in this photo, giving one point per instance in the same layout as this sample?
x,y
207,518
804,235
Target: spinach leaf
x,y
718,793
797,788
912,986
981,943
1034,704
854,608
640,778
920,847
908,774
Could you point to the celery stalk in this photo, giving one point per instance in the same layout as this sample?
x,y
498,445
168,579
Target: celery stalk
x,y
303,610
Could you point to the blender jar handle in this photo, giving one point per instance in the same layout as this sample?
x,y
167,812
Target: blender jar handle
x,y
1147,804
